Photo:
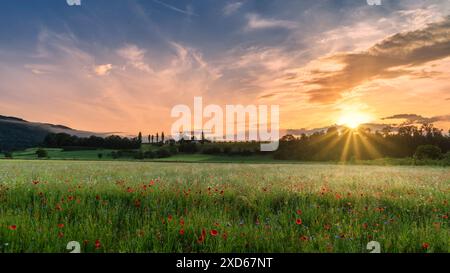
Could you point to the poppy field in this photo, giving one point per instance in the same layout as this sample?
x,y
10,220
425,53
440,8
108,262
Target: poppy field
x,y
133,207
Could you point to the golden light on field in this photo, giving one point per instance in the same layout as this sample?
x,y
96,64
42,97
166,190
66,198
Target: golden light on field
x,y
354,119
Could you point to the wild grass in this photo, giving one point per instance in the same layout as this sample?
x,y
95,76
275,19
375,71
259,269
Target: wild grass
x,y
174,207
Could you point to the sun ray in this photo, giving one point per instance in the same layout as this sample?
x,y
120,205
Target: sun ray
x,y
335,138
366,141
346,145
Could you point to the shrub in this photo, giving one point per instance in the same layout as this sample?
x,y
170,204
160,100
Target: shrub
x,y
246,152
211,150
173,150
8,155
100,156
428,152
227,150
162,153
41,153
446,159
149,154
188,148
138,155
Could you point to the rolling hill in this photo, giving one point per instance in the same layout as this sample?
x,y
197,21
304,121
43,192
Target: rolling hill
x,y
17,133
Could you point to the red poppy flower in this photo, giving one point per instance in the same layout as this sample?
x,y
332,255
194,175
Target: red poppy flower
x,y
60,225
304,238
299,211
214,232
181,232
98,244
13,227
299,221
425,245
327,227
202,237
224,235
151,183
97,197
365,225
169,217
181,222
60,234
35,182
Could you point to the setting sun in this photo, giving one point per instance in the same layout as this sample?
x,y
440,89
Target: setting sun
x,y
353,120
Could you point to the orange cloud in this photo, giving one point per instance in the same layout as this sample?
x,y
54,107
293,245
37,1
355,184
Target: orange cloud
x,y
391,58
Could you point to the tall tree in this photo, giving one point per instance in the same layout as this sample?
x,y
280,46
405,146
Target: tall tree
x,y
157,137
139,139
162,137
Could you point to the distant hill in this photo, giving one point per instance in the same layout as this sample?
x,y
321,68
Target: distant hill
x,y
17,133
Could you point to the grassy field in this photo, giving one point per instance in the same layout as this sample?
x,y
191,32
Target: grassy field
x,y
92,155
174,207
60,154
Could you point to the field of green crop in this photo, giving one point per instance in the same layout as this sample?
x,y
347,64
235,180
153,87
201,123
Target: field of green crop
x,y
173,207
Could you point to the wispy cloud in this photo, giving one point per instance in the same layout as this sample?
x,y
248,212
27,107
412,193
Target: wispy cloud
x,y
415,119
102,70
186,11
135,57
231,8
256,22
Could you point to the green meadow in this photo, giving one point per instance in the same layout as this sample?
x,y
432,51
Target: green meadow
x,y
211,207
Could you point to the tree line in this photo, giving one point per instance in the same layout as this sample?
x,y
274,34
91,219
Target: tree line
x,y
62,140
333,144
347,144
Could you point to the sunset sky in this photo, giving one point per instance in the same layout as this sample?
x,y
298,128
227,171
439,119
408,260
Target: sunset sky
x,y
121,65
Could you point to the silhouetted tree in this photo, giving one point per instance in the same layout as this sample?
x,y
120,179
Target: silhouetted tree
x,y
203,137
428,152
